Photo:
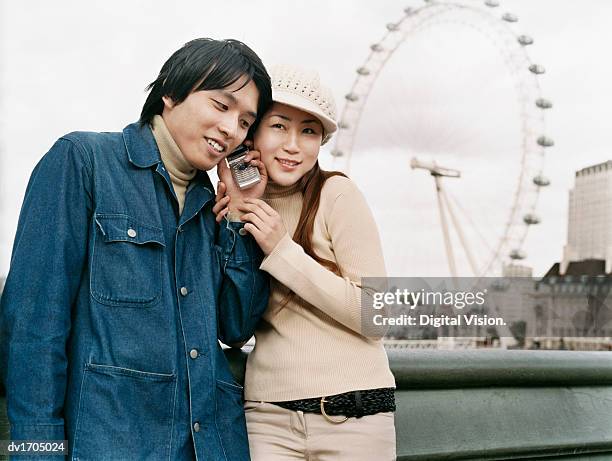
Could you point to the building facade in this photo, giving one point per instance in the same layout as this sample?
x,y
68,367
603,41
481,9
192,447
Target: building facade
x,y
589,234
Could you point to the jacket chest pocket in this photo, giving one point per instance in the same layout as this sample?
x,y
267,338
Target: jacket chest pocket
x,y
126,262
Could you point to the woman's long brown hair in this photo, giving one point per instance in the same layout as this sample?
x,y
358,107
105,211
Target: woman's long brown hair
x,y
311,185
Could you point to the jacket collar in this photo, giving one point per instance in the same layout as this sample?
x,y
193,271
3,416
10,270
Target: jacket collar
x,y
143,152
141,146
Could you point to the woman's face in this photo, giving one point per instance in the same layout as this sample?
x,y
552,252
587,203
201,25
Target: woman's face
x,y
288,140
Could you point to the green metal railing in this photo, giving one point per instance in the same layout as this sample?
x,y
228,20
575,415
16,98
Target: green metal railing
x,y
494,405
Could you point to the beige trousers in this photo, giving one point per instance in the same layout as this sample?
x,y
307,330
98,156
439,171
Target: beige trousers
x,y
277,434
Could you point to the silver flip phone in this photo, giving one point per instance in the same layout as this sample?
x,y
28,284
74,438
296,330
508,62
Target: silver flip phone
x,y
244,174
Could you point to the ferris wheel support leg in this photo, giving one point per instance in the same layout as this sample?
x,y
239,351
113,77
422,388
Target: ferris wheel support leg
x,y
459,231
445,232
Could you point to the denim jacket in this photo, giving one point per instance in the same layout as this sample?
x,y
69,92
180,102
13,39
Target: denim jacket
x,y
114,306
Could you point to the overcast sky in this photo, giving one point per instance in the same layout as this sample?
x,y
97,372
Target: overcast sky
x,y
445,95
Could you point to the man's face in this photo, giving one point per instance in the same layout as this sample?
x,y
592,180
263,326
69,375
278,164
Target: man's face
x,y
209,124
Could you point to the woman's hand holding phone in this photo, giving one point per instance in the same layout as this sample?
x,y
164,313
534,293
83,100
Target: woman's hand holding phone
x,y
232,190
229,195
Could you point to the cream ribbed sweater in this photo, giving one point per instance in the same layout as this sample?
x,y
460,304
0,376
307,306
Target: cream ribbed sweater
x,y
180,171
312,346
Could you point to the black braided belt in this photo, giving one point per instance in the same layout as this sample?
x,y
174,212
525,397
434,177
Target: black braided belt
x,y
350,404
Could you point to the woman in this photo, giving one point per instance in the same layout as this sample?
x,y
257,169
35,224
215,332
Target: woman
x,y
316,387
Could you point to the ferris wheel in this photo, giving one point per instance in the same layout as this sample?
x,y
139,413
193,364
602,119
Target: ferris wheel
x,y
431,121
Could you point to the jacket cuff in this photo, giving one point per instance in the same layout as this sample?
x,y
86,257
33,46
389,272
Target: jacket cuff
x,y
236,244
37,432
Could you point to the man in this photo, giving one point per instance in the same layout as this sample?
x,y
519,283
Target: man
x,y
122,283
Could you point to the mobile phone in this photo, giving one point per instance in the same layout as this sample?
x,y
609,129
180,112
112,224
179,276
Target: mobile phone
x,y
244,174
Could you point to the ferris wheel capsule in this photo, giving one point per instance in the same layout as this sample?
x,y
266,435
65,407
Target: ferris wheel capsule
x,y
343,125
545,141
537,69
518,254
525,40
363,71
392,27
376,47
408,10
531,218
491,3
541,181
337,153
509,17
544,103
351,97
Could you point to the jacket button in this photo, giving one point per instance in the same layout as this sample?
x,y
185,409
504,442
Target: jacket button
x,y
242,231
196,427
184,291
193,353
131,233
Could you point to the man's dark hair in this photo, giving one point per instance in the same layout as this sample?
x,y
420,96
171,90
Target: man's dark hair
x,y
211,65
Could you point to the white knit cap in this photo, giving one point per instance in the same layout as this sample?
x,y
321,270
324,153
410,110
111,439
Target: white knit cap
x,y
302,89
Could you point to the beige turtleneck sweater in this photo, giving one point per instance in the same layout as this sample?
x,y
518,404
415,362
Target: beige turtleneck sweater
x,y
312,346
180,171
